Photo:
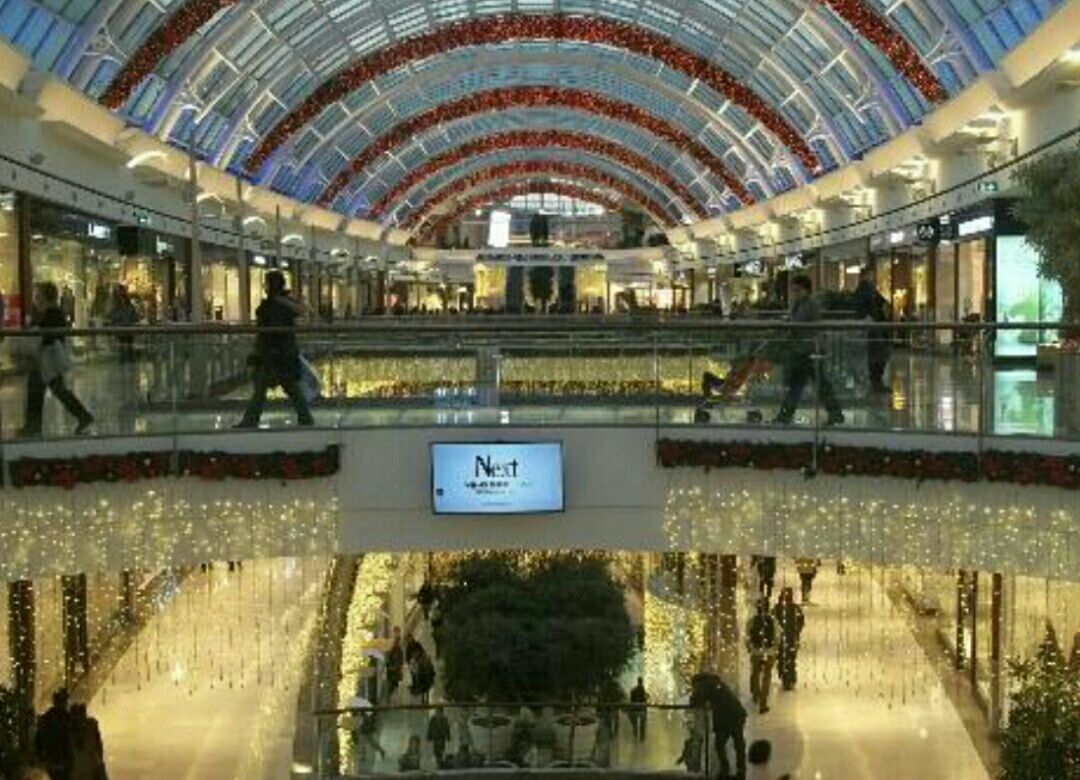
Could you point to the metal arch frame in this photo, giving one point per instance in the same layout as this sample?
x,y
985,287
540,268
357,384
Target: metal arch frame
x,y
978,58
444,161
657,192
438,211
80,43
475,198
429,79
228,27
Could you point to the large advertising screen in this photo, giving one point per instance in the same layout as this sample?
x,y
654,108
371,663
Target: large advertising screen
x,y
1023,296
497,479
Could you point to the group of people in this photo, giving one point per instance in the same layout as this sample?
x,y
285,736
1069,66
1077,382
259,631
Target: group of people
x,y
68,742
412,654
773,633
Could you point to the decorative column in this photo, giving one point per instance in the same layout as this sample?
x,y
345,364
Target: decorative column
x,y
727,661
76,635
195,280
21,646
997,693
128,595
242,270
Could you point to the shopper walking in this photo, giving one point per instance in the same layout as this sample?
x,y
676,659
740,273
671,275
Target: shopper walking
x,y
123,314
51,364
52,740
766,571
87,752
277,356
808,569
761,643
729,720
871,306
438,734
638,710
395,664
799,369
790,621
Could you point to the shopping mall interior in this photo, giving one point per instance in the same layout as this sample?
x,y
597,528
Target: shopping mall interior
x,y
580,387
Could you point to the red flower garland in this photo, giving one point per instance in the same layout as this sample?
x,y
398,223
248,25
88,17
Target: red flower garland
x,y
537,139
523,188
1022,468
868,23
167,38
537,167
134,466
533,97
493,30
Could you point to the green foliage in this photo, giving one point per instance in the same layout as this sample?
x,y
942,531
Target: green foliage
x,y
1050,208
542,284
1042,738
510,633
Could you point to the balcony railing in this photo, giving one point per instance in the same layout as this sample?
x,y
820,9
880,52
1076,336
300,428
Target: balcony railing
x,y
961,378
392,740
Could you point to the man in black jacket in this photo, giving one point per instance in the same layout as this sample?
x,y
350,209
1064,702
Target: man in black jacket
x,y
53,739
277,356
800,359
871,306
729,719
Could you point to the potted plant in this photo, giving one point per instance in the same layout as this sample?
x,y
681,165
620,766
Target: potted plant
x,y
1050,208
521,629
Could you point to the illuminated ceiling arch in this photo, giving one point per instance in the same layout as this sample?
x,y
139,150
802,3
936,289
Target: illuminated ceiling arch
x,y
520,27
847,75
517,169
641,182
508,191
501,99
536,139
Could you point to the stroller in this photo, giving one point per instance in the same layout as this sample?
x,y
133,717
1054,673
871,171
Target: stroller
x,y
753,367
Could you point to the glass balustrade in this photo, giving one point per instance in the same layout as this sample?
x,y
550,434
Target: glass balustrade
x,y
527,372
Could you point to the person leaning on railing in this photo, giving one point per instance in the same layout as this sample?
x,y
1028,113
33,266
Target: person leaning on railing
x,y
277,356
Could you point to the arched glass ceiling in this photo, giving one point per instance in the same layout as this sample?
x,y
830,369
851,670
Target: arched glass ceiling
x,y
455,172
256,60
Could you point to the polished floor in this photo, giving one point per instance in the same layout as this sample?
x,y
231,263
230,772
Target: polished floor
x,y
929,393
211,688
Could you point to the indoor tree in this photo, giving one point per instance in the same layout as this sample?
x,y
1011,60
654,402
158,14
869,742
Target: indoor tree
x,y
542,285
1042,738
514,631
1050,208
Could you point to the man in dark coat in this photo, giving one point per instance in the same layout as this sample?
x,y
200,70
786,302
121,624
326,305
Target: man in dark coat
x,y
729,719
871,306
53,738
277,356
790,619
438,734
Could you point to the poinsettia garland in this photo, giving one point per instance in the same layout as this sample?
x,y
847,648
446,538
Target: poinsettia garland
x,y
131,467
170,35
537,139
509,98
520,168
522,188
994,466
502,29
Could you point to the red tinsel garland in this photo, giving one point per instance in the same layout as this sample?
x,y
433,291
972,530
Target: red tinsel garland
x,y
533,97
868,23
1022,468
133,466
170,35
537,139
523,188
494,30
532,168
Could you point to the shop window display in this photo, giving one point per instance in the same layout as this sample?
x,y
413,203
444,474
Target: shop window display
x,y
10,300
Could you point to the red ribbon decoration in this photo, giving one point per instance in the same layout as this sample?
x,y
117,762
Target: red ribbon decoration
x,y
533,97
536,139
532,168
494,30
167,38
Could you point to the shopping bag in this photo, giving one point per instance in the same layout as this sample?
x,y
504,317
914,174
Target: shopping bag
x,y
54,361
310,383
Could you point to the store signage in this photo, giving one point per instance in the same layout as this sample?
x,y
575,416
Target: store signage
x,y
986,187
751,268
897,237
928,232
795,262
539,258
497,479
975,226
96,230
